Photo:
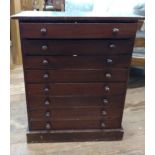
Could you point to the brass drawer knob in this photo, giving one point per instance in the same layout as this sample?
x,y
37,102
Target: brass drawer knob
x,y
45,76
44,62
107,88
108,76
109,61
105,101
44,47
115,30
47,102
104,113
48,126
112,46
43,30
46,89
103,125
47,114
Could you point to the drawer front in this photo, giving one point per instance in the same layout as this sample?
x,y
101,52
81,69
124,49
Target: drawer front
x,y
75,113
57,62
37,102
78,30
78,75
76,89
77,47
75,124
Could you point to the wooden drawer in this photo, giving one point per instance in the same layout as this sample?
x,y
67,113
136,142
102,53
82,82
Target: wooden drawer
x,y
77,30
75,124
77,75
75,113
36,102
76,89
93,62
77,47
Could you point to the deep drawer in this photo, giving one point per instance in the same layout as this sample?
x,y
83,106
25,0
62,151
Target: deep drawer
x,y
75,113
75,124
76,89
77,47
78,75
93,62
78,30
37,102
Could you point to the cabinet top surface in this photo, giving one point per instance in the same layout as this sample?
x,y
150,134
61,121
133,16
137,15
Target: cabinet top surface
x,y
64,16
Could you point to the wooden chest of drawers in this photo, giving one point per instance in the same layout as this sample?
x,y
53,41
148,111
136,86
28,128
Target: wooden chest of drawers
x,y
76,72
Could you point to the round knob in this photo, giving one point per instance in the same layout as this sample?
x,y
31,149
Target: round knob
x,y
44,47
46,89
104,112
109,61
115,30
105,101
45,76
107,88
43,30
48,126
108,75
44,62
47,114
112,46
103,125
47,102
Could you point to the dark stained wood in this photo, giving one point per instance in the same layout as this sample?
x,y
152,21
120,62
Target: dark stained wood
x,y
66,57
87,62
74,135
77,30
76,89
70,113
76,124
76,75
77,47
37,102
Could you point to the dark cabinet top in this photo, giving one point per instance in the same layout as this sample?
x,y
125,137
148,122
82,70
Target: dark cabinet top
x,y
75,16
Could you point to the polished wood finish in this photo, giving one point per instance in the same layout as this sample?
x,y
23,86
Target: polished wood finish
x,y
76,72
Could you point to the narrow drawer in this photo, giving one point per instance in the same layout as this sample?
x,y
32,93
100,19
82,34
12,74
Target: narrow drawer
x,y
88,62
75,113
77,30
77,47
76,89
76,75
75,124
37,102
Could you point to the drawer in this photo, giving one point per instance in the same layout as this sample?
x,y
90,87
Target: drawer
x,y
76,89
75,124
77,30
88,62
76,75
37,102
75,113
77,47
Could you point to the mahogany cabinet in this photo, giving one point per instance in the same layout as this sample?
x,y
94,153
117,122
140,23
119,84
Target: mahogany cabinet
x,y
76,72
